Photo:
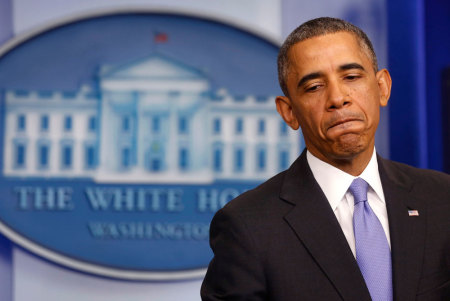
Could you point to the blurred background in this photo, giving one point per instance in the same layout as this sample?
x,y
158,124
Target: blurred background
x,y
222,51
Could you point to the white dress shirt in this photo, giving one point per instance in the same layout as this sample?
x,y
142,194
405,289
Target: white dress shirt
x,y
335,183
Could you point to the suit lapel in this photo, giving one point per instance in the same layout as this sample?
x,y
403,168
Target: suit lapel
x,y
407,233
315,224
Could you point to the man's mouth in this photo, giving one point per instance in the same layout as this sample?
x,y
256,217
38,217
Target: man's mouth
x,y
342,121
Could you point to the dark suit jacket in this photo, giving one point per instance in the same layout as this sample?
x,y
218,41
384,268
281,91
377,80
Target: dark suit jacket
x,y
282,241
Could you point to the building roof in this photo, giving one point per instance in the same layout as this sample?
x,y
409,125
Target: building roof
x,y
155,66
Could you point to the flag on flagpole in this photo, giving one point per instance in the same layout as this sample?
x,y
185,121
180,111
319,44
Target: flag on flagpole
x,y
160,37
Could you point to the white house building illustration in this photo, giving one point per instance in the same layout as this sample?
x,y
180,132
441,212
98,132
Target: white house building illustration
x,y
155,120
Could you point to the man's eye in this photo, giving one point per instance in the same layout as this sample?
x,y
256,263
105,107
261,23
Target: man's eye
x,y
312,88
352,77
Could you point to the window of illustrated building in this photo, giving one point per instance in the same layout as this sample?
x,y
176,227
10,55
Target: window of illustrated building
x,y
183,158
261,154
156,124
20,151
261,127
21,123
283,128
156,164
156,157
126,123
183,126
92,124
90,156
217,126
217,159
43,156
126,157
67,123
239,126
283,159
66,156
239,159
44,123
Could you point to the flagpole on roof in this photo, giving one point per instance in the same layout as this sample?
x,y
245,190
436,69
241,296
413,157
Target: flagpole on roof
x,y
159,37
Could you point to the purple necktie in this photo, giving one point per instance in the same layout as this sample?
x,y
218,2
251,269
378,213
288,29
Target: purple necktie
x,y
372,249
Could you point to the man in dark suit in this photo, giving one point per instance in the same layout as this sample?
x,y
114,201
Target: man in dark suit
x,y
298,236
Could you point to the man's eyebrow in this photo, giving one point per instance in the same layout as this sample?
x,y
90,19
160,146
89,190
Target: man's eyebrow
x,y
315,75
308,77
351,66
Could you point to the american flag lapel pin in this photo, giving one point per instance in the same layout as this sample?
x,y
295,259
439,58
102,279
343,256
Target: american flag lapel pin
x,y
413,213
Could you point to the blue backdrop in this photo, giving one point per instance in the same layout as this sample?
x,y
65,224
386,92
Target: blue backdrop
x,y
419,50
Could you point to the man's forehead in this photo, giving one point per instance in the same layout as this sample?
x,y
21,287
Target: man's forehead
x,y
323,43
338,48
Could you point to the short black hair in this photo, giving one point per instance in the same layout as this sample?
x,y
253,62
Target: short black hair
x,y
319,27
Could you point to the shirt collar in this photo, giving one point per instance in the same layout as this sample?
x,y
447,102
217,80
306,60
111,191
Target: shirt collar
x,y
335,182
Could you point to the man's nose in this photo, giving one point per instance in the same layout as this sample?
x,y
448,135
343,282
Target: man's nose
x,y
338,96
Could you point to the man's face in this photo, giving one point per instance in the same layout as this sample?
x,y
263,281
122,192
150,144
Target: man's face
x,y
334,96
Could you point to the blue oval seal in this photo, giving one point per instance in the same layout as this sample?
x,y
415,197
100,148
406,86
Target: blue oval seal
x,y
122,134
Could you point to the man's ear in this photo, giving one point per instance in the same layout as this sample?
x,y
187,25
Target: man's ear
x,y
284,108
384,83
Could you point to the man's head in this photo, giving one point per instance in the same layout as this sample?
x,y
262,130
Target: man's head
x,y
333,92
318,27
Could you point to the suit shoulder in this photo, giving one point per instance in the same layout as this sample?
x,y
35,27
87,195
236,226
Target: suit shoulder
x,y
424,181
265,194
428,176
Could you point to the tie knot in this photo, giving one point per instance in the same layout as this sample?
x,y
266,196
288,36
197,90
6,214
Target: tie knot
x,y
359,190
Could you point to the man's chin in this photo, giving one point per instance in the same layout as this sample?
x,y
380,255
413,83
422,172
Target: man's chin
x,y
348,149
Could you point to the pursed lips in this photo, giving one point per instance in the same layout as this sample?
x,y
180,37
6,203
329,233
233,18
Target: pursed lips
x,y
343,118
342,121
